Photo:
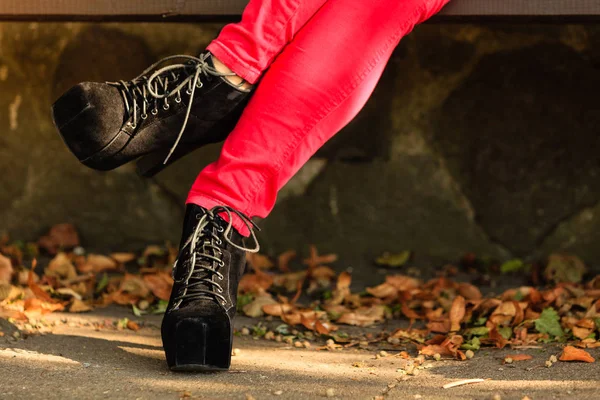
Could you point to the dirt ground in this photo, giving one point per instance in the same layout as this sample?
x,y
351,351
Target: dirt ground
x,y
76,360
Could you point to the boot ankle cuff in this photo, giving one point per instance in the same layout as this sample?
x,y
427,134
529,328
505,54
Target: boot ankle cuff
x,y
208,203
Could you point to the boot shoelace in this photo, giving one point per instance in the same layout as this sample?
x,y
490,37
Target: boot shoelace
x,y
206,255
142,92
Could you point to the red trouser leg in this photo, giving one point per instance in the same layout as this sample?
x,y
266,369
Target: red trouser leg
x,y
250,46
315,87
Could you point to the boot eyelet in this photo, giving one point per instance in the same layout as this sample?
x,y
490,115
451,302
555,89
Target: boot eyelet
x,y
189,92
220,277
220,229
224,303
166,106
154,112
178,100
199,85
219,290
144,116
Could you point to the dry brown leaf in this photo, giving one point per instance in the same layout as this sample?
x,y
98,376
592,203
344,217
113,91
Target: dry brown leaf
x,y
457,313
469,292
324,328
61,267
403,282
9,292
135,286
6,269
495,337
517,357
160,284
133,326
290,281
315,259
382,291
123,258
277,309
439,326
255,308
284,259
433,349
37,290
61,236
363,316
254,283
408,313
98,263
34,306
78,306
259,261
571,353
504,313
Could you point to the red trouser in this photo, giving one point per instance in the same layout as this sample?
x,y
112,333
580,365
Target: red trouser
x,y
324,58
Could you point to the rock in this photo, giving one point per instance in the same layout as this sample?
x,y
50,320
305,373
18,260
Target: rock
x,y
524,151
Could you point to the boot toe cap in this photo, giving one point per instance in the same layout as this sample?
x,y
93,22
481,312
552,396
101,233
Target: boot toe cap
x,y
88,116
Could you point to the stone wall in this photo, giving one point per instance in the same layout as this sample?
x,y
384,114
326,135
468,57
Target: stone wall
x,y
479,138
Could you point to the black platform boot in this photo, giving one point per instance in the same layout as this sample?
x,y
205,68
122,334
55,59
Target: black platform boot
x,y
162,115
197,329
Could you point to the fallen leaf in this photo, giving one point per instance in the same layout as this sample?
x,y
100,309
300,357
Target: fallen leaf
x,y
9,292
98,263
402,282
61,236
259,261
61,267
284,259
571,353
392,260
382,291
549,322
457,313
469,292
583,328
6,269
518,357
78,306
133,326
277,309
408,313
134,285
38,291
363,316
35,306
315,259
160,284
123,258
255,308
253,283
324,328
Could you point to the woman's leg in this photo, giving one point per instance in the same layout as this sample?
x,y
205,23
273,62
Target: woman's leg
x,y
249,47
315,87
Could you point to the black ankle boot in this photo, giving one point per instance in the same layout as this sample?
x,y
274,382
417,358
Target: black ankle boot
x,y
197,329
162,115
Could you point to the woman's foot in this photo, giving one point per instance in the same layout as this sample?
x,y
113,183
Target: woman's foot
x,y
197,329
163,114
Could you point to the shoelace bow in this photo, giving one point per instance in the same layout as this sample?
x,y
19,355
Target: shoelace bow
x,y
142,92
206,253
